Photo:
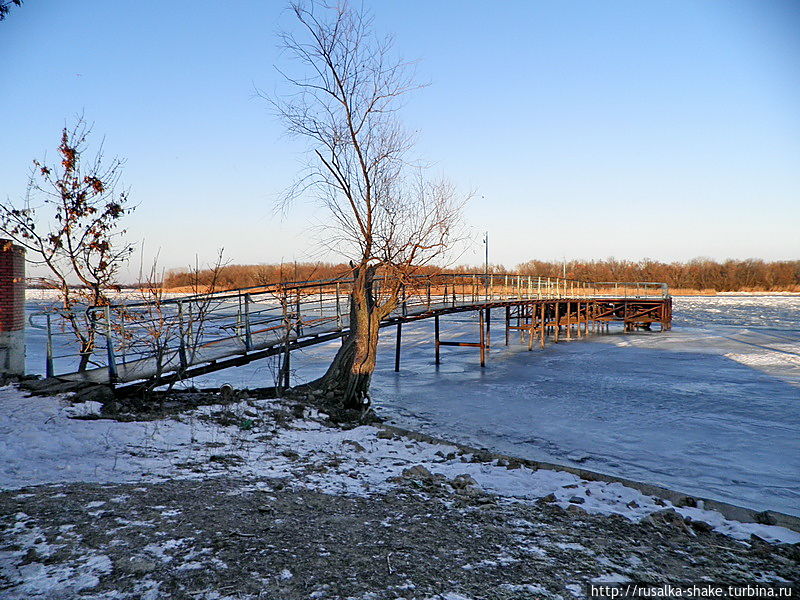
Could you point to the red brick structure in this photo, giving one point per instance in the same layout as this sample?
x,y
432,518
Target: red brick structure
x,y
12,308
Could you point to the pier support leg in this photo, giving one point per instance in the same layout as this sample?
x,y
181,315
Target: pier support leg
x,y
569,321
508,318
585,319
436,336
557,329
488,327
483,338
542,322
532,328
397,348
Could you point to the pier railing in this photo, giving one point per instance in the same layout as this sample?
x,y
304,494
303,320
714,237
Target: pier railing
x,y
144,339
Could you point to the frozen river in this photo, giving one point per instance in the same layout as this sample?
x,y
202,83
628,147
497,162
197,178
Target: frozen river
x,y
710,408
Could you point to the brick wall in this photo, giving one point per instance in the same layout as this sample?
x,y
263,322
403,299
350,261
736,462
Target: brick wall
x,y
12,287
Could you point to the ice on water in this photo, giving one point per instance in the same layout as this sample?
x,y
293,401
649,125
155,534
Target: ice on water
x,y
710,408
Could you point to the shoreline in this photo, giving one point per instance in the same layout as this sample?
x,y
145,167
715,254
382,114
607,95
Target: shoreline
x,y
237,499
258,497
728,510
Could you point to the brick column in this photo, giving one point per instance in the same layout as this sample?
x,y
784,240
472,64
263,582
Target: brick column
x,y
12,308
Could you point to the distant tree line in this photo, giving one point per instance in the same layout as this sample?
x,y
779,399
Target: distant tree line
x,y
238,276
697,274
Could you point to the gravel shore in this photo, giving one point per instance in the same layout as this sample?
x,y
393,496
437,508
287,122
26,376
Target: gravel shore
x,y
259,499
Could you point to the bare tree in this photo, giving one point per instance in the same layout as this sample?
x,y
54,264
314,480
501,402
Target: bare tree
x,y
5,7
167,332
80,245
386,218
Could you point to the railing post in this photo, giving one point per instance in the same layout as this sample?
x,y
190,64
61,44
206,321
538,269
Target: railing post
x,y
338,308
429,294
112,362
283,377
48,367
299,326
403,306
182,335
190,326
248,338
124,344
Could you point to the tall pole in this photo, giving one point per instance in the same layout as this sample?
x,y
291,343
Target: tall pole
x,y
486,265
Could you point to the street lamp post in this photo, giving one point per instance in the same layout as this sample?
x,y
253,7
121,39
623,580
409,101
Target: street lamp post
x,y
486,265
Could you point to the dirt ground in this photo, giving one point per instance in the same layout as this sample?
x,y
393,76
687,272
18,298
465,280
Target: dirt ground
x,y
226,537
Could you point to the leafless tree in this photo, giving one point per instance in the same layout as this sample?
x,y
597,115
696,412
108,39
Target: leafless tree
x,y
5,7
168,332
386,217
81,243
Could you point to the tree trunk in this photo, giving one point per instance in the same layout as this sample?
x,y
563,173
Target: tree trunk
x,y
351,370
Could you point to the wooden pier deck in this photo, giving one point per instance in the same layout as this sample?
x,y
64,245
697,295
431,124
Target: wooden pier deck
x,y
179,338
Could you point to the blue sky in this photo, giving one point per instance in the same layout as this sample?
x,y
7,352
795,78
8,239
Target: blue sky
x,y
587,129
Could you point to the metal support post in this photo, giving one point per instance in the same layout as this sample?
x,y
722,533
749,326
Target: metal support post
x,y
112,361
48,368
429,295
436,336
182,336
488,326
397,348
248,336
482,339
338,307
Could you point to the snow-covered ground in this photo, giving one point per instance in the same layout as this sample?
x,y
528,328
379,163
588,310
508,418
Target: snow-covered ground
x,y
709,408
42,442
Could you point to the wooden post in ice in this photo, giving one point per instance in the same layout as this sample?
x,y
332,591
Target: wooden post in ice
x,y
12,308
542,324
532,329
557,321
569,324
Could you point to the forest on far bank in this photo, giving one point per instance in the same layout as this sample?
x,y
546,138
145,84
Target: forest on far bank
x,y
697,274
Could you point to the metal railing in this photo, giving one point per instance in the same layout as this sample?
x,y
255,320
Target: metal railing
x,y
146,339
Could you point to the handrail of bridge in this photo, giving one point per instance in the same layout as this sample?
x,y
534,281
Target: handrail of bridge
x,y
137,340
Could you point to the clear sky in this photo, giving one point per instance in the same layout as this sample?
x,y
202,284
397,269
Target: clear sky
x,y
587,129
